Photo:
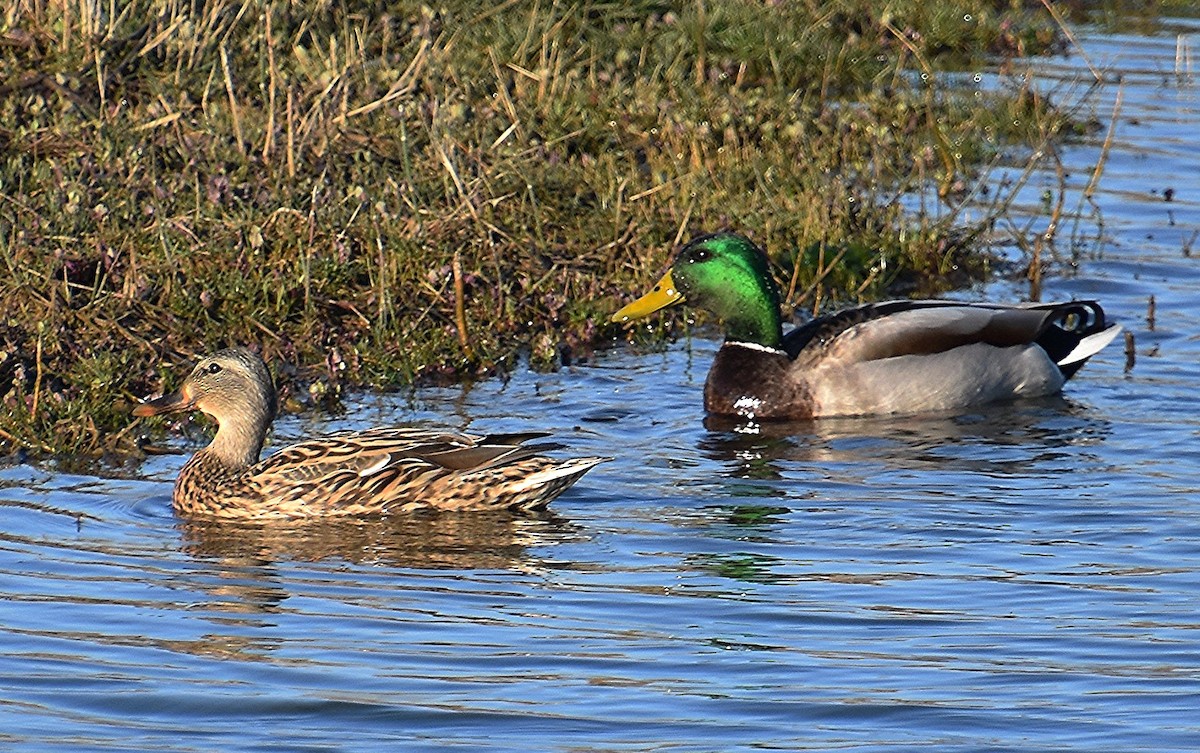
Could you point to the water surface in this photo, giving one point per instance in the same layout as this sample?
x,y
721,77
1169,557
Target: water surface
x,y
1021,578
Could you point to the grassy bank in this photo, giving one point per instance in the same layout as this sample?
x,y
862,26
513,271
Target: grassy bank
x,y
381,193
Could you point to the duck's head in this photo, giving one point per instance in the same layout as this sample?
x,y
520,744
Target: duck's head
x,y
725,274
234,387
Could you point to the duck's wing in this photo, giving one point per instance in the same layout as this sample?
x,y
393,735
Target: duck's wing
x,y
1068,332
375,451
401,467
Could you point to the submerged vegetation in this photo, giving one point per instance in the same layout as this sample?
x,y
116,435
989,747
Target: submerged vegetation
x,y
381,193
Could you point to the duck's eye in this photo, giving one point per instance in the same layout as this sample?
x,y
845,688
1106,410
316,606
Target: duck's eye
x,y
700,255
214,368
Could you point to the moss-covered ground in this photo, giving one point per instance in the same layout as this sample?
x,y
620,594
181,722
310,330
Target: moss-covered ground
x,y
376,194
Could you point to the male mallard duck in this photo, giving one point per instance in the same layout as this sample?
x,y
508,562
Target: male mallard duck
x,y
893,357
374,471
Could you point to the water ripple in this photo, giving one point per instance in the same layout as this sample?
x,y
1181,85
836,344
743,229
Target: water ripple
x,y
1020,578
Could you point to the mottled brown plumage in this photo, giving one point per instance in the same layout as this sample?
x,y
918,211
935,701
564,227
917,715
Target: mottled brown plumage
x,y
348,473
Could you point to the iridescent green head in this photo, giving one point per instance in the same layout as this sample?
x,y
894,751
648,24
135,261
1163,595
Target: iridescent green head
x,y
723,273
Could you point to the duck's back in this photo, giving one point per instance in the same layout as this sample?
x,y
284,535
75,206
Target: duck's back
x,y
894,328
908,357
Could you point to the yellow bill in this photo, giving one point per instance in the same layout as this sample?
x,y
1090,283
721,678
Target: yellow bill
x,y
664,294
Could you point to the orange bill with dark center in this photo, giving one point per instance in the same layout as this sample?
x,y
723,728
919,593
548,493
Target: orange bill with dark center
x,y
172,403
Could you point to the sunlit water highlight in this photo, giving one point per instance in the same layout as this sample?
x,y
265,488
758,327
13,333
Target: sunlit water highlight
x,y
1021,578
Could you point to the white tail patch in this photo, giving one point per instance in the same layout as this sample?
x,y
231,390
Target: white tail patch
x,y
1091,345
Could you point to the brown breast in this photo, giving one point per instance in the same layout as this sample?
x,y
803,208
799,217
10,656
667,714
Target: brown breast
x,y
745,381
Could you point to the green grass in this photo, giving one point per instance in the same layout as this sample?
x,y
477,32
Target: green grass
x,y
377,194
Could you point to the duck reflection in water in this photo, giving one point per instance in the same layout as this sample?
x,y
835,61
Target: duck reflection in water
x,y
421,540
247,571
857,447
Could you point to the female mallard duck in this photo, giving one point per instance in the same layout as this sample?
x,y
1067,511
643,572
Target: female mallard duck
x,y
374,471
893,357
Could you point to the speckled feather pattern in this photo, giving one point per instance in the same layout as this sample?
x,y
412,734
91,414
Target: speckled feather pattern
x,y
349,473
378,471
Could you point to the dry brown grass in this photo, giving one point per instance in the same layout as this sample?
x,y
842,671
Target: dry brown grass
x,y
378,197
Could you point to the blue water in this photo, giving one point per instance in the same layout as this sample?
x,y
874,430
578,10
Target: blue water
x,y
1023,578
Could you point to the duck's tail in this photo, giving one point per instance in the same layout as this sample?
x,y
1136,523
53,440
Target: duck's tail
x,y
538,489
1075,332
1090,346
